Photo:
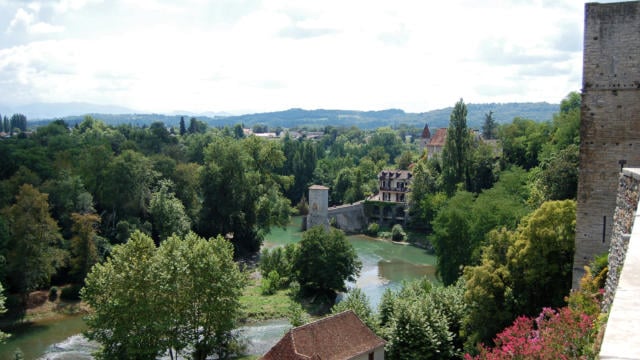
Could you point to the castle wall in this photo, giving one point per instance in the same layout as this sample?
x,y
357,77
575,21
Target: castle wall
x,y
610,121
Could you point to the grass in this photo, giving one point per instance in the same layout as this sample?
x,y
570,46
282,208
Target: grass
x,y
259,307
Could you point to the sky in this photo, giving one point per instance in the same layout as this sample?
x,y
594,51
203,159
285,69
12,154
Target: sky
x,y
246,56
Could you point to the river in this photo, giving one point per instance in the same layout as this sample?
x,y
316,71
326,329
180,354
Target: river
x,y
384,265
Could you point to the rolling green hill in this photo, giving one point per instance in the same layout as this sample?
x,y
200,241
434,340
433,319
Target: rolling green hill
x,y
320,118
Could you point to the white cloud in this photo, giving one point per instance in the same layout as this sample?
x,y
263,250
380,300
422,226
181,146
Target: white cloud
x,y
246,55
27,20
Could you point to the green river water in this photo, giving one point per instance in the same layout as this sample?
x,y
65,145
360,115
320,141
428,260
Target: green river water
x,y
385,265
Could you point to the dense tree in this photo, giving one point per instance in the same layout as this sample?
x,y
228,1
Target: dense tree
x,y
127,186
123,293
281,260
183,128
33,252
10,187
18,121
404,160
326,260
186,177
84,244
558,176
452,236
489,291
147,301
424,198
199,286
542,256
489,126
522,141
483,167
522,271
167,213
67,195
388,140
425,322
196,126
300,160
242,194
457,150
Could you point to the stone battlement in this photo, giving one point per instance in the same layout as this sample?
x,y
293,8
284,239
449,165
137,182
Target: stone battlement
x,y
609,122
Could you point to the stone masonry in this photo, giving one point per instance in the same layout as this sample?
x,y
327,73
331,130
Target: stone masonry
x,y
623,218
610,121
318,206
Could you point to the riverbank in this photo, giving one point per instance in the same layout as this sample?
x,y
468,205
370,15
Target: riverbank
x,y
42,309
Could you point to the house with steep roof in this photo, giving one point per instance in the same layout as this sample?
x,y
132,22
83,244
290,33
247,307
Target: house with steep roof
x,y
393,185
436,143
339,337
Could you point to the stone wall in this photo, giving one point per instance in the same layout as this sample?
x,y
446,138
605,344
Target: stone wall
x,y
626,205
349,218
610,121
622,298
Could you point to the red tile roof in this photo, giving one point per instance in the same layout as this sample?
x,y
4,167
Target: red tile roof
x,y
338,337
439,138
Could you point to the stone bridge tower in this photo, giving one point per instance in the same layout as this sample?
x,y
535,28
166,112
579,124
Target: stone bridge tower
x,y
610,121
318,206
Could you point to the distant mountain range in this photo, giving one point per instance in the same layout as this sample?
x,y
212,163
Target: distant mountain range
x,y
73,113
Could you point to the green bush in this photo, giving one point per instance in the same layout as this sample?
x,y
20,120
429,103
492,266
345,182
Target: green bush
x,y
71,293
294,289
280,260
397,233
53,293
271,284
373,229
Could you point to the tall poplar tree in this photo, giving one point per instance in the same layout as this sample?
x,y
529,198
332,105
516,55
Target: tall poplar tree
x,y
183,127
457,150
489,126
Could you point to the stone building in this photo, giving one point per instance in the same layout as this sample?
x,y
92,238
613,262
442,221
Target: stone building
x,y
610,121
393,185
433,143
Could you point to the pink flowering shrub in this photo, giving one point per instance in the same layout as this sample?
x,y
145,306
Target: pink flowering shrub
x,y
561,334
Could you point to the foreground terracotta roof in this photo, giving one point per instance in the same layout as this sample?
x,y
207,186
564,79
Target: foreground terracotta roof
x,y
338,337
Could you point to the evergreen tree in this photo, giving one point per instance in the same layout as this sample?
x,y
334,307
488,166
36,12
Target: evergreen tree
x,y
489,126
183,128
18,121
456,151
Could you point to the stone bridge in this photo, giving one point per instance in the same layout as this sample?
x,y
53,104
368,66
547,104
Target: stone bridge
x,y
350,217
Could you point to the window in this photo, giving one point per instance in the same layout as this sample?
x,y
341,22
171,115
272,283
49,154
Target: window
x,y
370,356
